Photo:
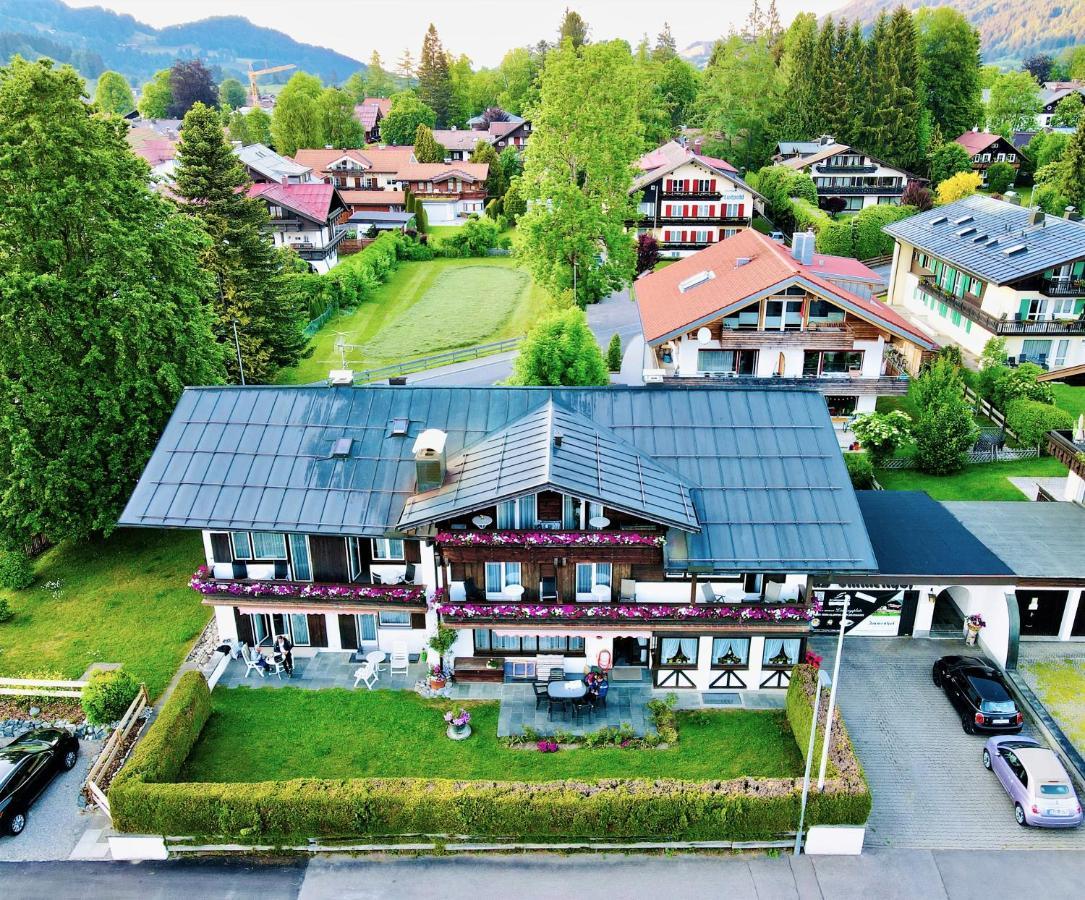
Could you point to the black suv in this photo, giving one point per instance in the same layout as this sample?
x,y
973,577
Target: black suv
x,y
977,690
27,766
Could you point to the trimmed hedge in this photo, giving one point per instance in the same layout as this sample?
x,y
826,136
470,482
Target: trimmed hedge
x,y
1031,420
143,799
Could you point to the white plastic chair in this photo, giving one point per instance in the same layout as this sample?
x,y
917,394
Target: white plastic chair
x,y
365,673
399,661
248,655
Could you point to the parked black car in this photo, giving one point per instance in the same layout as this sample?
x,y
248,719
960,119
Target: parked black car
x,y
27,766
977,690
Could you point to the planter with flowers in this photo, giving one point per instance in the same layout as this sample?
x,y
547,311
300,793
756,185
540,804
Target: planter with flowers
x,y
441,642
459,724
973,625
436,678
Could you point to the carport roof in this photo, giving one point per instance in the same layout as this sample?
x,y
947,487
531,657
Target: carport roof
x,y
915,535
1036,540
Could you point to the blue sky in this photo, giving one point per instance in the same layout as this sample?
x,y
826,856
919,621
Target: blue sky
x,y
483,29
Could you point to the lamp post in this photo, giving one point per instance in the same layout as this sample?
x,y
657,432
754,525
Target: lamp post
x,y
237,347
832,694
821,681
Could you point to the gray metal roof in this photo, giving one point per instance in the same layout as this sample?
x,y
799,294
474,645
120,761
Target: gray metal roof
x,y
803,147
765,475
1005,225
592,463
1036,540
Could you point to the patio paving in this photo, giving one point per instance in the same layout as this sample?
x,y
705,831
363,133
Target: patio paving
x,y
626,703
324,670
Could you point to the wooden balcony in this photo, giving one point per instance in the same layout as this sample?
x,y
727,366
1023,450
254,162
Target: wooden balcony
x,y
1060,444
827,338
996,325
844,190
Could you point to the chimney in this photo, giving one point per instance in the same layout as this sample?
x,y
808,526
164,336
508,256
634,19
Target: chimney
x,y
429,460
807,257
285,179
1037,216
558,438
797,240
1072,214
341,378
741,261
1012,197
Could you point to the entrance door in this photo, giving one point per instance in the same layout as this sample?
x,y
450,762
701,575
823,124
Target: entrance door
x,y
630,651
1041,612
329,559
947,617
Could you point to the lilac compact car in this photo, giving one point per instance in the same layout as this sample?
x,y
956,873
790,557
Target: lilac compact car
x,y
1035,780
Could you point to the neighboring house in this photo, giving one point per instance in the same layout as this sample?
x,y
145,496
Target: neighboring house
x,y
982,268
1017,565
674,530
1068,447
689,201
366,202
1052,94
838,170
510,134
752,311
460,143
449,192
479,122
1021,138
369,113
364,219
158,149
264,166
306,218
367,169
987,149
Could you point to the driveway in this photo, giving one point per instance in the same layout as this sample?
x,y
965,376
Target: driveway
x,y
55,822
930,788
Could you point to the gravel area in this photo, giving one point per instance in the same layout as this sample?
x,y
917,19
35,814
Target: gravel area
x,y
55,822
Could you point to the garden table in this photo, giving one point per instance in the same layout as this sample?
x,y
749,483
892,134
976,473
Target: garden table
x,y
566,690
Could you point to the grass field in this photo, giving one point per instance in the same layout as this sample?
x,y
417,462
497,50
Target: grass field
x,y
986,481
427,308
1061,686
1072,399
124,599
257,735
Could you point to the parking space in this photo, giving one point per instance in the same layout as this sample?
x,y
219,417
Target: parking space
x,y
55,822
929,785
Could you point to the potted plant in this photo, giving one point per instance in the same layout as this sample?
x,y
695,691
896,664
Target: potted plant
x,y
973,624
459,724
441,643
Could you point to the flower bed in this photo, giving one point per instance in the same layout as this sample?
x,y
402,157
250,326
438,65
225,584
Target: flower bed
x,y
548,539
576,612
204,583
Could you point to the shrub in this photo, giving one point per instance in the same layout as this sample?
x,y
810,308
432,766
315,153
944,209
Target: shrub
x,y
1007,385
474,238
861,470
107,695
16,570
949,159
805,216
836,237
1031,420
6,612
647,253
959,186
614,353
416,251
356,278
917,196
944,430
1000,176
870,238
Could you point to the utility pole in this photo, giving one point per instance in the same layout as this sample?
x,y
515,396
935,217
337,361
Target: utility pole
x,y
832,693
237,347
821,679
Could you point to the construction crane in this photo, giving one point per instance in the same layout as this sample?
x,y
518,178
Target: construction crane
x,y
252,79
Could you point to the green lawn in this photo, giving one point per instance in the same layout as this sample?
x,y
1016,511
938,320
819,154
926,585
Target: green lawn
x,y
985,481
1060,685
125,599
274,734
1072,399
427,308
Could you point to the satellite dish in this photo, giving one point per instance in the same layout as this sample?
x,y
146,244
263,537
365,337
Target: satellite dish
x,y
704,335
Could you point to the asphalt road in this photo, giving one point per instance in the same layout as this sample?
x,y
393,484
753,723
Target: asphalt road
x,y
883,874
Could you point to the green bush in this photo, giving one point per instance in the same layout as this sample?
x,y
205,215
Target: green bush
x,y
6,612
870,239
1031,420
805,216
835,237
474,238
861,470
416,251
162,752
107,695
614,353
144,799
1006,385
1000,176
16,570
356,278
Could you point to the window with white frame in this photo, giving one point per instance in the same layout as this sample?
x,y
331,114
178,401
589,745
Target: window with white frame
x,y
268,545
240,541
299,558
390,618
730,652
781,652
500,575
588,575
388,548
515,514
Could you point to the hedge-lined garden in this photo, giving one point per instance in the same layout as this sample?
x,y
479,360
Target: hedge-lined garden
x,y
145,799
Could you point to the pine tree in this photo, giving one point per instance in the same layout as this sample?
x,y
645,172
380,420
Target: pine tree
x,y
240,256
823,101
434,79
665,47
405,66
573,27
426,148
897,111
797,65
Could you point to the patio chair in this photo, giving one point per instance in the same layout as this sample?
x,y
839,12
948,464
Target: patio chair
x,y
629,590
365,672
551,705
248,655
548,589
581,706
399,660
541,695
408,575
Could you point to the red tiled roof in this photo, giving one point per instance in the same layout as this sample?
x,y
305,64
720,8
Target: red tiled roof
x,y
459,138
153,146
311,200
664,309
717,163
977,141
373,198
366,114
376,159
439,171
384,104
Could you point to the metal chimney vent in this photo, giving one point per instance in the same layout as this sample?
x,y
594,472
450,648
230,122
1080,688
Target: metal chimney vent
x,y
341,448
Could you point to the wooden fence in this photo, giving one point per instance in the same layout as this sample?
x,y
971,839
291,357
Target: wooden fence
x,y
101,773
992,412
40,687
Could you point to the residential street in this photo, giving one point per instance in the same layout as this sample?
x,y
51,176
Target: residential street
x,y
884,874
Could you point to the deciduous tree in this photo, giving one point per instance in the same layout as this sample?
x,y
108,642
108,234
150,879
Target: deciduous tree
x,y
1000,176
232,94
406,113
240,256
1014,104
190,82
1068,111
947,161
338,125
296,120
156,98
943,430
949,61
253,127
1071,182
560,350
113,94
496,182
959,186
647,253
103,325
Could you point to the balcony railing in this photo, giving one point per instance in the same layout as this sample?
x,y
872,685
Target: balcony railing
x,y
1053,287
590,615
684,245
647,220
994,324
830,385
1060,444
842,189
398,596
857,169
693,195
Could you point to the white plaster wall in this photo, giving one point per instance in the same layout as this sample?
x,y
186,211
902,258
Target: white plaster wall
x,y
1075,488
227,627
209,557
872,357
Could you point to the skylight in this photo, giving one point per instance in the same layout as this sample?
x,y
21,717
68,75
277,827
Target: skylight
x,y
700,278
341,448
1015,249
400,427
982,236
938,220
965,232
962,220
